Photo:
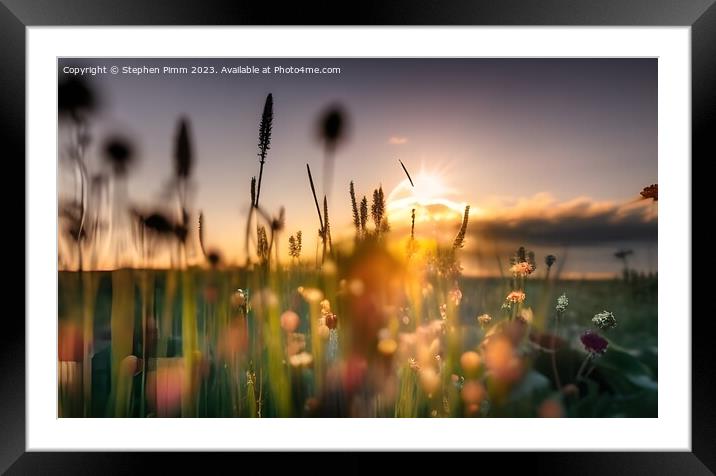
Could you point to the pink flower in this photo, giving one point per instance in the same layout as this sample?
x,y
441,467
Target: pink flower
x,y
522,269
516,296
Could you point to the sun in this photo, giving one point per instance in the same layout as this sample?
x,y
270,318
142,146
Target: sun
x,y
431,199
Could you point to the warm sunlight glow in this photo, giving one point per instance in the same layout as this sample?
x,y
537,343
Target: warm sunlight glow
x,y
430,198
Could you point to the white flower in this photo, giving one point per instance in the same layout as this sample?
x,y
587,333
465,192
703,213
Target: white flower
x,y
562,303
604,320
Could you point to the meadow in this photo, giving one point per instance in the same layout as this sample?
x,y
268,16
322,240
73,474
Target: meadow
x,y
273,351
382,322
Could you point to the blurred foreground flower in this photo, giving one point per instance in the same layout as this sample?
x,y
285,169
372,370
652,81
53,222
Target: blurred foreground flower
x,y
301,360
551,408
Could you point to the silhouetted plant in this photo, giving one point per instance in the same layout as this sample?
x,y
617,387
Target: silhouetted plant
x,y
295,245
321,230
262,245
265,127
75,99
652,191
327,225
377,209
119,154
332,131
363,215
354,208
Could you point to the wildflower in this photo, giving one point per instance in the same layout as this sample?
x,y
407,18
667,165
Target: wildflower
x,y
473,392
290,321
443,311
311,294
295,245
549,260
119,154
413,364
526,315
501,360
455,295
516,296
470,361
430,380
301,360
356,287
331,320
594,343
551,408
522,268
652,191
562,303
459,241
387,346
605,320
239,299
484,319
570,390
264,300
265,127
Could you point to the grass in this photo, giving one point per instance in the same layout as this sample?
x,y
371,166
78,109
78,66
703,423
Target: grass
x,y
200,351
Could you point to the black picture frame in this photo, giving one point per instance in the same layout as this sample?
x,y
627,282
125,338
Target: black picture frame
x,y
700,15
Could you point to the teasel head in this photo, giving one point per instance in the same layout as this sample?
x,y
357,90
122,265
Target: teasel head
x,y
214,258
183,150
549,260
119,154
332,126
265,128
459,241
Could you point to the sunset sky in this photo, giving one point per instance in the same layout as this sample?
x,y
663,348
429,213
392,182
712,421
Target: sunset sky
x,y
549,153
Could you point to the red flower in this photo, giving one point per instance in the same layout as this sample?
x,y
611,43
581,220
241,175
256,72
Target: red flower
x,y
594,343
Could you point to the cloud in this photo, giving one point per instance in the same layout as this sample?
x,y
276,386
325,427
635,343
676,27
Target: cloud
x,y
397,140
541,219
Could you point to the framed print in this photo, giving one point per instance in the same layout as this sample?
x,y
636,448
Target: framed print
x,y
263,234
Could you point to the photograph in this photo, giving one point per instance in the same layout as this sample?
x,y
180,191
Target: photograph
x,y
359,237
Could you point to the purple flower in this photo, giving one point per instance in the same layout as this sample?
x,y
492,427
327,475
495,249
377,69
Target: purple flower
x,y
594,343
